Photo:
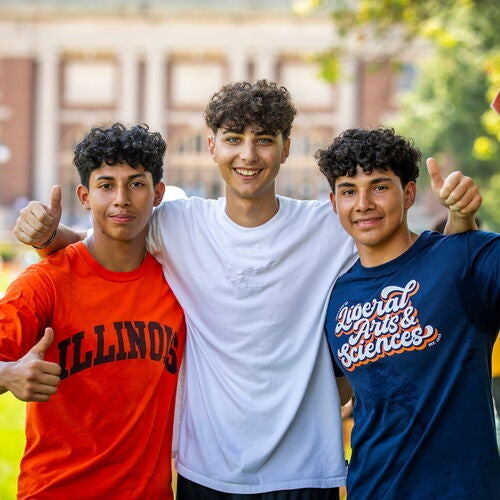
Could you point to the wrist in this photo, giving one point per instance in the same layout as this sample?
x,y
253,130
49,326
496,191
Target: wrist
x,y
47,243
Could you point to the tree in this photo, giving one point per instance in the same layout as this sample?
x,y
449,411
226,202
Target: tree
x,y
448,110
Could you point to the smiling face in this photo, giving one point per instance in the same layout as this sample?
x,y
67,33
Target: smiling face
x,y
372,208
249,162
121,199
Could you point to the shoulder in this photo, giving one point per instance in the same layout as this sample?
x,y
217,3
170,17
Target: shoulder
x,y
184,207
305,205
308,209
470,241
43,276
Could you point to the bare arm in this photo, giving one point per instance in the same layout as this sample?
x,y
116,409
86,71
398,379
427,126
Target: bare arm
x,y
345,390
459,195
31,378
38,226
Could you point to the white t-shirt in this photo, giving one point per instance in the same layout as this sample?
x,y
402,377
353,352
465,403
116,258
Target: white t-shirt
x,y
260,407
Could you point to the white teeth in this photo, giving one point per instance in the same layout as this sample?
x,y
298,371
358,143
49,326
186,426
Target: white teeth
x,y
246,173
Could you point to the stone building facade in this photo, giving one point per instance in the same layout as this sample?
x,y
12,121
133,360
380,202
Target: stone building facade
x,y
66,66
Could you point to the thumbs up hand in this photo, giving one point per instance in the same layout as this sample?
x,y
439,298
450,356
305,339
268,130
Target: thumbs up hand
x,y
31,378
37,222
457,192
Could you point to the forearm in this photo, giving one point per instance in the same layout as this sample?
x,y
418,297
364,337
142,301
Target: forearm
x,y
345,390
4,366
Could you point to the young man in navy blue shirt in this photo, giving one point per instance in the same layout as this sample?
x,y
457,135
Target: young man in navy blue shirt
x,y
412,325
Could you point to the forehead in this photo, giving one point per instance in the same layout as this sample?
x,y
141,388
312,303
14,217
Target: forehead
x,y
251,129
375,175
366,178
118,171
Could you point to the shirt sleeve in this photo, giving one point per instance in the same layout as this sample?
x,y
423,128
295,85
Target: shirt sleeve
x,y
24,313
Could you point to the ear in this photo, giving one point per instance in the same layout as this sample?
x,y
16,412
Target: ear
x,y
159,192
333,201
410,194
286,150
211,147
82,193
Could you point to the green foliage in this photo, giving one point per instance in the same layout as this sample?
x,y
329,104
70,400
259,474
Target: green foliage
x,y
329,64
448,112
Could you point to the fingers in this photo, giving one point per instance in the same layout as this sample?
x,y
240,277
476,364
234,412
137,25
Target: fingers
x,y
37,222
41,386
460,194
457,192
33,223
33,379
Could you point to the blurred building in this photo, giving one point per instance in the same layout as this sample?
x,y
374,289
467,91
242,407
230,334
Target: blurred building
x,y
68,65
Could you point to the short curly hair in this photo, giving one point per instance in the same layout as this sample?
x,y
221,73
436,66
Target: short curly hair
x,y
135,146
380,149
262,103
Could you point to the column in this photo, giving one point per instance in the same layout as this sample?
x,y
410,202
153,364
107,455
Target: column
x,y
238,66
349,106
46,133
129,87
155,92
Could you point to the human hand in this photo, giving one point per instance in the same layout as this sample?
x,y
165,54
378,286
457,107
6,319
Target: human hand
x,y
31,378
457,192
37,222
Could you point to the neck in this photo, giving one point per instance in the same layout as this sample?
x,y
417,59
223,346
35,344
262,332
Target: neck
x,y
371,256
251,212
117,256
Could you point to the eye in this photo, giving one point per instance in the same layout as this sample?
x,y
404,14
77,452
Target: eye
x,y
137,184
381,187
105,186
265,140
347,192
232,140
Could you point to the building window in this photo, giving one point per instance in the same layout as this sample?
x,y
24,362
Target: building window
x,y
89,83
193,82
308,90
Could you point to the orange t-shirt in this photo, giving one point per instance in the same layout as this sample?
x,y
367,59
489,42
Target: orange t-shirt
x,y
119,338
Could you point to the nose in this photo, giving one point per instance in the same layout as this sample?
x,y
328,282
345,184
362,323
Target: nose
x,y
248,151
122,198
364,201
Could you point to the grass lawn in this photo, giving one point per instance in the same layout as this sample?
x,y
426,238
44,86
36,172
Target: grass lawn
x,y
12,439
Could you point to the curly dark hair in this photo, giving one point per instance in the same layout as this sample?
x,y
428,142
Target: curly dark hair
x,y
135,146
262,103
380,149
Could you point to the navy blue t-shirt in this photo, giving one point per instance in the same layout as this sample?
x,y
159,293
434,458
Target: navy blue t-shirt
x,y
414,337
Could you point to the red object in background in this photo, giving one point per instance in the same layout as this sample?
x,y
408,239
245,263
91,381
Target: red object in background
x,y
496,102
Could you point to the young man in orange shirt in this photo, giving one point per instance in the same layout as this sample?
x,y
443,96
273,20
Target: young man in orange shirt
x,y
92,338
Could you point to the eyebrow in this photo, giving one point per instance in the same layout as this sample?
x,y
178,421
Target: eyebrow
x,y
377,180
257,132
111,178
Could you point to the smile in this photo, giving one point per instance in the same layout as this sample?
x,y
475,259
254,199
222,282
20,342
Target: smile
x,y
368,222
246,173
122,218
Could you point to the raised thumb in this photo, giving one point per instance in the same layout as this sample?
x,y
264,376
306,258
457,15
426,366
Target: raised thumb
x,y
43,344
54,207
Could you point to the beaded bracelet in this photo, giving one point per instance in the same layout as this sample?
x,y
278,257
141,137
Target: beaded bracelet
x,y
47,243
